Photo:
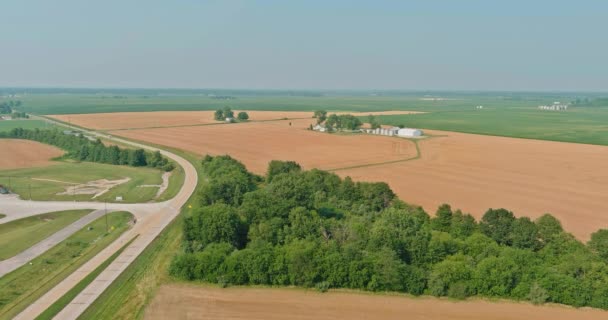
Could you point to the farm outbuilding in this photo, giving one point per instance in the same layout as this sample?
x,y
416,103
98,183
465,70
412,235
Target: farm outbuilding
x,y
408,132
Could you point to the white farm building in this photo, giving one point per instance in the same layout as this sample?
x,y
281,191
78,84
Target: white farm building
x,y
408,132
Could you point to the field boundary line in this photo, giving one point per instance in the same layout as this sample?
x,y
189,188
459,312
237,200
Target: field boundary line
x,y
416,157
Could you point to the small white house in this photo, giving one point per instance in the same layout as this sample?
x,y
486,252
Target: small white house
x,y
320,128
408,132
229,120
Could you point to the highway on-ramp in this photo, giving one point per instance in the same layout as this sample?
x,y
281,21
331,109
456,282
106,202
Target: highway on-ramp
x,y
151,220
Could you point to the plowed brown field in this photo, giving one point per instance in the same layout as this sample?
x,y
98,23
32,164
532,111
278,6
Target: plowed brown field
x,y
132,120
25,154
198,303
256,143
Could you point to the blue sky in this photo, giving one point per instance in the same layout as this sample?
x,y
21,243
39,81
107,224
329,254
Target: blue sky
x,y
408,45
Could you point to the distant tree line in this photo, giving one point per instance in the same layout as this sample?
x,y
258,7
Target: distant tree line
x,y
586,102
227,113
81,148
7,106
314,229
19,115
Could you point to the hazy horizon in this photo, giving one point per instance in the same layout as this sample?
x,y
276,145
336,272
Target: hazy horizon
x,y
471,46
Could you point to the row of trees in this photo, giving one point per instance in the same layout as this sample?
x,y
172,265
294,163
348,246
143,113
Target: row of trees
x,y
83,149
227,113
7,106
314,229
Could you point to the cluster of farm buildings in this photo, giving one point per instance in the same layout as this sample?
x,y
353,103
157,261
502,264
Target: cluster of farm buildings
x,y
394,131
391,132
556,106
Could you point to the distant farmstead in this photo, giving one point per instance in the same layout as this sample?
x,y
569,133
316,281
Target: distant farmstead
x,y
556,106
394,131
409,132
320,128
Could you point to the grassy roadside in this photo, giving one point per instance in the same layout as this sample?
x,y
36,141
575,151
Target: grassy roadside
x,y
25,285
56,307
2,215
47,183
175,181
127,297
18,235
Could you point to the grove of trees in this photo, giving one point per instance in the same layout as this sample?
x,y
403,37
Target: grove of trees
x,y
7,106
83,149
314,229
343,122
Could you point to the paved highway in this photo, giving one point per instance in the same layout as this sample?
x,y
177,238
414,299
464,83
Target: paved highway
x,y
152,218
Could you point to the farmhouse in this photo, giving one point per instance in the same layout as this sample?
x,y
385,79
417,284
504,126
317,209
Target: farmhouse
x,y
408,132
320,128
556,106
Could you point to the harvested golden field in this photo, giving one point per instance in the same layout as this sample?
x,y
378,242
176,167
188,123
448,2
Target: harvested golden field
x,y
201,303
133,120
24,154
529,177
256,143
470,172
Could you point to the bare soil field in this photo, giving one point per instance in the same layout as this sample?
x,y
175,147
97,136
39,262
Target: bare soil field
x,y
133,120
195,302
256,143
529,177
18,153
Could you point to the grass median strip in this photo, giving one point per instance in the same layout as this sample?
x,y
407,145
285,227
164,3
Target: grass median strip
x,y
56,307
18,235
25,285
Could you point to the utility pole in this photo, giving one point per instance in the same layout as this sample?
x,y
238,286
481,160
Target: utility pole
x,y
30,188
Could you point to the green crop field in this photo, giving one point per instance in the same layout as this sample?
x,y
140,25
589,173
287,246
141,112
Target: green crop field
x,y
7,125
18,235
580,125
23,286
36,182
74,103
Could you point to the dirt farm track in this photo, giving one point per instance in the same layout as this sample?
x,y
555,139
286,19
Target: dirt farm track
x,y
470,172
200,303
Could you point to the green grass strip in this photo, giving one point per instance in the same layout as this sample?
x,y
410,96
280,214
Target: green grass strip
x,y
62,302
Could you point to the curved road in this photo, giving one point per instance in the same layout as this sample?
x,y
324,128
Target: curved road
x,y
152,218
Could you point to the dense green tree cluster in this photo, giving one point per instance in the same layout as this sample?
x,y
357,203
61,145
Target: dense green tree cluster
x,y
314,229
321,116
81,148
223,114
18,115
242,116
343,122
373,122
7,106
